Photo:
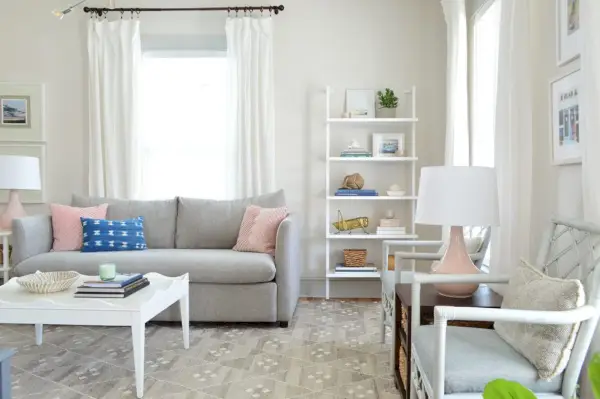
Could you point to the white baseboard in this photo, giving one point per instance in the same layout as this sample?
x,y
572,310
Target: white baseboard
x,y
315,288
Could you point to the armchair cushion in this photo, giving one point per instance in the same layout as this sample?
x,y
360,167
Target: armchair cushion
x,y
474,357
547,346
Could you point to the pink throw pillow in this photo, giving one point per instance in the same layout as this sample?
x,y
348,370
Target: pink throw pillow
x,y
258,232
66,225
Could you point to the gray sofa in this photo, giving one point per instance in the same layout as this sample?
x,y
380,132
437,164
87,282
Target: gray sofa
x,y
185,235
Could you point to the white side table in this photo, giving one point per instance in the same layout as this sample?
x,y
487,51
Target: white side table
x,y
4,234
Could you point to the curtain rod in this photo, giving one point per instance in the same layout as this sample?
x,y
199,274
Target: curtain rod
x,y
101,11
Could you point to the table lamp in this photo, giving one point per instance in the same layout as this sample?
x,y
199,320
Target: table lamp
x,y
17,173
457,196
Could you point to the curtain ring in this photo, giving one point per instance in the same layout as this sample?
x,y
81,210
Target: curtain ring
x,y
138,12
228,12
236,12
122,12
261,11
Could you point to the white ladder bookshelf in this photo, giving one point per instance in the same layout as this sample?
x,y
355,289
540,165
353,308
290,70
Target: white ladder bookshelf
x,y
401,162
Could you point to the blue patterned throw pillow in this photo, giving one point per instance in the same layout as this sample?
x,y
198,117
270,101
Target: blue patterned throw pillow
x,y
100,235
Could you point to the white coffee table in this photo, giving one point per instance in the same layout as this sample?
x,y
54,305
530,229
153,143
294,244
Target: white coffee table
x,y
18,306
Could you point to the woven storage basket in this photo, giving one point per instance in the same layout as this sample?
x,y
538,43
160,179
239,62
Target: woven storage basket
x,y
46,283
355,257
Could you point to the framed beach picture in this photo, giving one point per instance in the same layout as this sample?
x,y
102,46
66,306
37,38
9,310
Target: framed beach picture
x,y
568,30
29,150
388,144
360,103
22,112
566,134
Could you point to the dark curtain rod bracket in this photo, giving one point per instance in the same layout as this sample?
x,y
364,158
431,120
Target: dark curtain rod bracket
x,y
102,11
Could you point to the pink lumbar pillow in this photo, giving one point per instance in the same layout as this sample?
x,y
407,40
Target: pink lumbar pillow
x,y
258,232
66,225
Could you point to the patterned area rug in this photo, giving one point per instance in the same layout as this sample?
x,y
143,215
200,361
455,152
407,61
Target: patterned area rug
x,y
330,351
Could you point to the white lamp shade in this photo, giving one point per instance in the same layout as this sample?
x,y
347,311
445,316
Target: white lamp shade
x,y
458,196
19,173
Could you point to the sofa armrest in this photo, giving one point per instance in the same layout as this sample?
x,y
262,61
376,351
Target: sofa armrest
x,y
287,263
32,235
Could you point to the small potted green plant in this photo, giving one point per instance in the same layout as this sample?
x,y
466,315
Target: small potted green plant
x,y
388,102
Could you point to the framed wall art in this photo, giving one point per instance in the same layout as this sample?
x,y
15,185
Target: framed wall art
x,y
566,134
568,30
22,112
30,150
388,144
360,103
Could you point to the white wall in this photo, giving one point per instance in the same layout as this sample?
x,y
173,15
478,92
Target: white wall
x,y
556,189
342,43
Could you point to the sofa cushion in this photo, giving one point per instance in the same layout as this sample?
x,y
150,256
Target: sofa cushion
x,y
205,223
216,266
101,235
159,216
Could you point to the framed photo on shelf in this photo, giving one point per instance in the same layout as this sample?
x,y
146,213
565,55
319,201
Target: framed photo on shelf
x,y
30,150
388,144
568,30
566,134
360,103
22,112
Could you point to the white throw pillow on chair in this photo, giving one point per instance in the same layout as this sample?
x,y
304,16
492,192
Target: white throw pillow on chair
x,y
547,346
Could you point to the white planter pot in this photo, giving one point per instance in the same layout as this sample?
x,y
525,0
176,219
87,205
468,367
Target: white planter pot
x,y
386,112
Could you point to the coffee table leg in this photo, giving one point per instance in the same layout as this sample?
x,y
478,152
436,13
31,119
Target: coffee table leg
x,y
138,338
184,308
39,331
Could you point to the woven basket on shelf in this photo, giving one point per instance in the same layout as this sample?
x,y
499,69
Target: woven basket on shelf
x,y
355,257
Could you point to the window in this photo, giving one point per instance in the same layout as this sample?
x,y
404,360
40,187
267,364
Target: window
x,y
484,78
183,125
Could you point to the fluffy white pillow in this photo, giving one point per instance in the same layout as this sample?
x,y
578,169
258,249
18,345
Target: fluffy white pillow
x,y
548,347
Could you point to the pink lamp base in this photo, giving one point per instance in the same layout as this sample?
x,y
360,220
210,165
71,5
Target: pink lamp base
x,y
456,260
14,210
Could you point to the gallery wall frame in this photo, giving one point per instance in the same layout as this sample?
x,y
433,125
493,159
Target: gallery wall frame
x,y
22,112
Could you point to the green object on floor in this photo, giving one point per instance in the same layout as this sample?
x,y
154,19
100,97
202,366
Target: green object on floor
x,y
504,389
594,375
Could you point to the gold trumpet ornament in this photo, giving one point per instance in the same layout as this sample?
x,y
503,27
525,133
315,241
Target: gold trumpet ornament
x,y
350,224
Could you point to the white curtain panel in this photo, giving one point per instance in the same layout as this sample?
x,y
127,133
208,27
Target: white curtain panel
x,y
513,138
114,51
457,104
251,100
590,108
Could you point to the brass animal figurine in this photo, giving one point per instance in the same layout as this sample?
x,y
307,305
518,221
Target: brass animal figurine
x,y
351,224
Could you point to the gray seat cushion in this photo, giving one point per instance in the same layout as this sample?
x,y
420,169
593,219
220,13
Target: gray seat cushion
x,y
205,223
160,216
216,266
476,356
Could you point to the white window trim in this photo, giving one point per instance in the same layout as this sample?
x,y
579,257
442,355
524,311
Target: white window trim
x,y
184,53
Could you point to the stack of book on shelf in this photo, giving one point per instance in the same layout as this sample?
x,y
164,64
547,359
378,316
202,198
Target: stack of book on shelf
x,y
393,231
122,286
356,153
391,227
344,192
341,268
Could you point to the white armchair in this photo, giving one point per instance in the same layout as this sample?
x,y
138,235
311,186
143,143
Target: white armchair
x,y
457,362
477,241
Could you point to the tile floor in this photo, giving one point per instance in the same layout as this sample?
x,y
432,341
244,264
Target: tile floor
x,y
330,351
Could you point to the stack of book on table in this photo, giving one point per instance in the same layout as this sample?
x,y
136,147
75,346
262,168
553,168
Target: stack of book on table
x,y
369,267
122,286
345,192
